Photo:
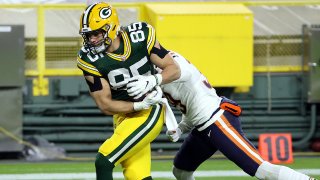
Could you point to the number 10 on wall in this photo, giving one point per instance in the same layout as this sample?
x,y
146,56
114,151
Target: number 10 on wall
x,y
276,148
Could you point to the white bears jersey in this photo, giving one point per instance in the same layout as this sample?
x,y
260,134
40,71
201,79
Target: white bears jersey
x,y
191,93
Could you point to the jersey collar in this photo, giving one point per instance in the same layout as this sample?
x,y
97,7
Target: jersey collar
x,y
126,51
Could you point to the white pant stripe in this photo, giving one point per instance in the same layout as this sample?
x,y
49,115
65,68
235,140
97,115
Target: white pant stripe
x,y
137,136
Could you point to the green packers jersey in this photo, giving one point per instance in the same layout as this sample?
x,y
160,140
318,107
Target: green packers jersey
x,y
137,40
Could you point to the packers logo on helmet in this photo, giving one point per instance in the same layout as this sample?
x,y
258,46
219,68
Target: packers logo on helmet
x,y
96,19
105,13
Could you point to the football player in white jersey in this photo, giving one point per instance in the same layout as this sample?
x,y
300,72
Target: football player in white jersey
x,y
215,125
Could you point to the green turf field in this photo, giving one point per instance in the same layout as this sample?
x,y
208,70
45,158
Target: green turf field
x,y
23,167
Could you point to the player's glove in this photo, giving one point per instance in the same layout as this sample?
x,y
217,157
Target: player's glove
x,y
140,85
174,135
152,98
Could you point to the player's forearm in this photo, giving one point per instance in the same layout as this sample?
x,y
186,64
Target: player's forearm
x,y
185,126
170,73
115,107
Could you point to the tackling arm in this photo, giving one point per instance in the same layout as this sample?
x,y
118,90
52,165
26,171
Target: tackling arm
x,y
140,85
162,59
183,127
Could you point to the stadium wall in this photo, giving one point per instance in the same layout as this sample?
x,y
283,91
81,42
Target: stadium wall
x,y
57,106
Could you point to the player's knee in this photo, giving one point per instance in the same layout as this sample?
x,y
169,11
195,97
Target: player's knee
x,y
102,163
134,174
182,174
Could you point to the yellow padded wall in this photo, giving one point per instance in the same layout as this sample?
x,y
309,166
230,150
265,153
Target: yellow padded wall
x,y
217,38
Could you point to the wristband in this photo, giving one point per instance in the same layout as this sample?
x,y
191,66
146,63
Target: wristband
x,y
137,106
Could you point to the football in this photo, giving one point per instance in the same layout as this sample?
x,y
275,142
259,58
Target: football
x,y
139,99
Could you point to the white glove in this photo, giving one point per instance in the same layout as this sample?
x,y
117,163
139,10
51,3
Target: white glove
x,y
174,135
154,97
140,85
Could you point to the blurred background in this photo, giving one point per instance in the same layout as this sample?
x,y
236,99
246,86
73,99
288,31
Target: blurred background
x,y
263,54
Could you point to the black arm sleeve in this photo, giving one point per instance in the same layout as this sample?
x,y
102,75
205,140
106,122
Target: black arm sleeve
x,y
162,52
96,85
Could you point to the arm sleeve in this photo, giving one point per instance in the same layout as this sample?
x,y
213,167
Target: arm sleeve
x,y
185,125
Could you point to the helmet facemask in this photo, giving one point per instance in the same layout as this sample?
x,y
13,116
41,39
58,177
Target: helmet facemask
x,y
99,46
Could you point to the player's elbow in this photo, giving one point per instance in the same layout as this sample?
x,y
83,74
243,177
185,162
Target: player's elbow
x,y
183,75
105,107
106,111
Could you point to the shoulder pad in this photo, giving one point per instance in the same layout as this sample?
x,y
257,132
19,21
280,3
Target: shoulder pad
x,y
84,63
151,35
148,31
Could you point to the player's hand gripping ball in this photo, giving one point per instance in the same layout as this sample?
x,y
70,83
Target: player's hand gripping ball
x,y
135,98
139,86
154,97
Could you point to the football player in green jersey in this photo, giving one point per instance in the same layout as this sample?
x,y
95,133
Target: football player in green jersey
x,y
111,57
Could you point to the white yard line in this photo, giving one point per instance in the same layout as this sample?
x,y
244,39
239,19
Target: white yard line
x,y
118,175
